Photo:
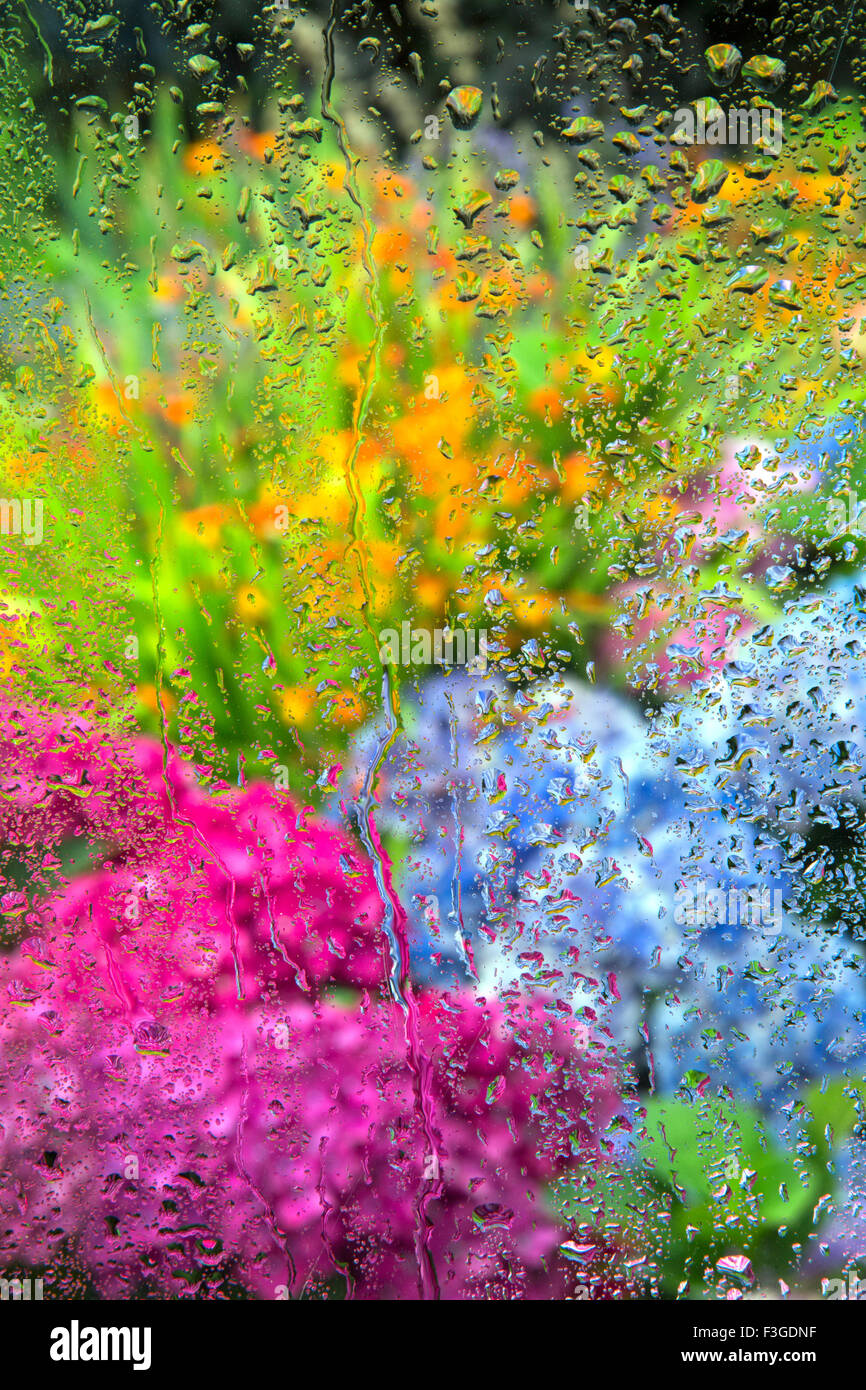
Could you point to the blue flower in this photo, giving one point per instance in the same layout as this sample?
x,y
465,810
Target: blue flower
x,y
553,837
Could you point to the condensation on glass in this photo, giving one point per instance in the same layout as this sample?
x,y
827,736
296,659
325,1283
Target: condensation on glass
x,y
432,778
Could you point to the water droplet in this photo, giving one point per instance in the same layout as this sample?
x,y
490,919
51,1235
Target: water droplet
x,y
463,105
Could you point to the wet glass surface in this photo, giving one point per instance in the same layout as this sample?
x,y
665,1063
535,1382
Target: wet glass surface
x,y
433,614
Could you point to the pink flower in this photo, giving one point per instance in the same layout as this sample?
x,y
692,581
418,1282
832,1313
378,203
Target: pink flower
x,y
206,1085
670,637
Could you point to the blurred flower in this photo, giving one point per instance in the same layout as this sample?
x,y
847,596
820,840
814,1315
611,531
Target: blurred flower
x,y
547,835
199,1034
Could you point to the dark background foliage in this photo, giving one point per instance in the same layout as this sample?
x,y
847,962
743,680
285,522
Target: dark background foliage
x,y
530,50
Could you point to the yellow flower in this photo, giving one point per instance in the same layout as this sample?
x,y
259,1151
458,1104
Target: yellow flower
x,y
661,509
533,610
438,424
295,704
205,523
333,176
169,289
252,606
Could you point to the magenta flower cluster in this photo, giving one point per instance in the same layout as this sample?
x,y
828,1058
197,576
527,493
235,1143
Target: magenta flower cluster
x,y
207,1088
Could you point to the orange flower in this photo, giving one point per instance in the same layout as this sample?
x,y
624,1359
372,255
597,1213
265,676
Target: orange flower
x,y
580,476
294,703
522,210
448,303
205,523
256,142
201,156
540,286
391,187
454,515
442,416
349,368
661,510
347,708
547,402
113,411
147,697
328,502
19,468
430,590
169,289
178,408
391,244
